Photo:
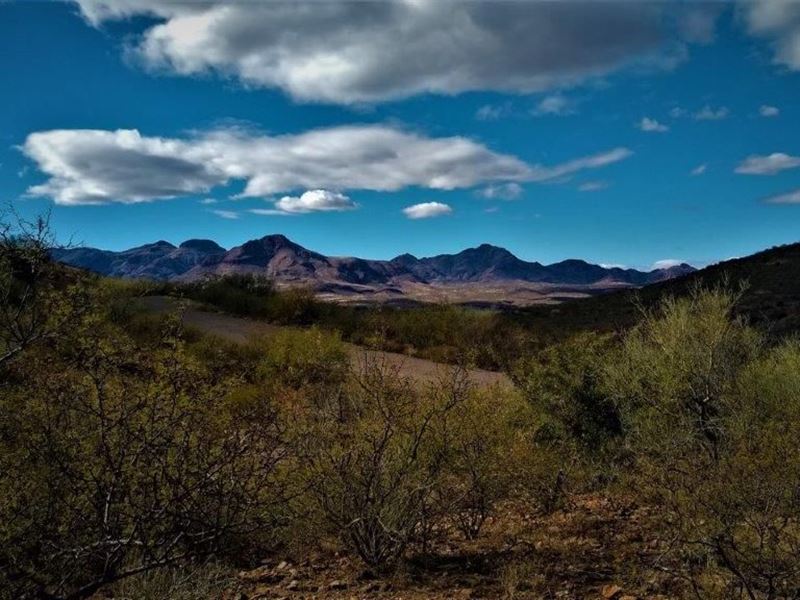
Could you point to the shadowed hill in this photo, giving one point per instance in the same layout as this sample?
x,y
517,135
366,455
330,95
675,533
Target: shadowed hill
x,y
771,298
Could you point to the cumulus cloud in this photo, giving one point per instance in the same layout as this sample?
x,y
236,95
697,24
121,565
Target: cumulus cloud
x,y
427,210
502,191
770,164
354,52
95,166
651,125
792,197
315,201
708,113
699,169
778,21
92,167
556,105
769,111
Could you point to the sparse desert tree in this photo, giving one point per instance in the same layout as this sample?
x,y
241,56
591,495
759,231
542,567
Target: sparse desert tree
x,y
482,444
117,459
577,435
368,454
37,299
714,425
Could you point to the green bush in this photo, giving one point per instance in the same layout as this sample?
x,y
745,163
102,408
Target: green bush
x,y
368,455
117,459
713,421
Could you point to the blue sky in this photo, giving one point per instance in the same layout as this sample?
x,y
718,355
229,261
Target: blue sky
x,y
619,133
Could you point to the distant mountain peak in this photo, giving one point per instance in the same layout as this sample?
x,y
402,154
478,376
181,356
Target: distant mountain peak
x,y
490,249
280,258
277,239
202,245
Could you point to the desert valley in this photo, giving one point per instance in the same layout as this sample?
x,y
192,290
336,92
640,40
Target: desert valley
x,y
399,300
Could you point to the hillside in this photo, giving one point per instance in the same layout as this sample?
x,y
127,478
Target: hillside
x,y
771,297
486,273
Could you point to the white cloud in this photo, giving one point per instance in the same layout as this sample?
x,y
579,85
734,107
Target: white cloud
x,y
699,169
677,112
493,112
592,186
93,167
707,113
502,191
613,266
353,52
666,263
648,124
557,105
579,164
769,111
779,22
96,166
209,201
792,197
226,214
315,201
768,165
272,212
427,210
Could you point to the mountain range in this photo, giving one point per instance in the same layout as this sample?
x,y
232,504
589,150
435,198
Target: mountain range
x,y
286,262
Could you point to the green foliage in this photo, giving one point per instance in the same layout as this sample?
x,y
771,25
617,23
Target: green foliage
x,y
486,447
440,332
300,358
132,449
117,458
566,383
369,457
714,423
38,300
678,368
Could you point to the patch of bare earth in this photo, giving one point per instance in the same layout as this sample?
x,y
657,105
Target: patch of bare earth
x,y
239,330
594,548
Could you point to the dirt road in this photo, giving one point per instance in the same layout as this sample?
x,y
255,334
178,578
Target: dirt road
x,y
239,330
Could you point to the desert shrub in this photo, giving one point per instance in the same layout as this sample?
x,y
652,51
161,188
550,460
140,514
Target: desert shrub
x,y
566,384
368,455
38,299
679,366
245,295
577,435
298,358
482,443
714,425
117,459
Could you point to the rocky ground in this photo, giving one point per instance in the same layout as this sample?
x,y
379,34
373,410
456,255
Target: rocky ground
x,y
595,548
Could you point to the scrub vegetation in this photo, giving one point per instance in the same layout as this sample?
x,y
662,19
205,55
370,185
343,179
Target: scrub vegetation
x,y
142,459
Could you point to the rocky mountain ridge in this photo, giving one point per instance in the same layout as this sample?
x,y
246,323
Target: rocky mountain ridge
x,y
283,260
